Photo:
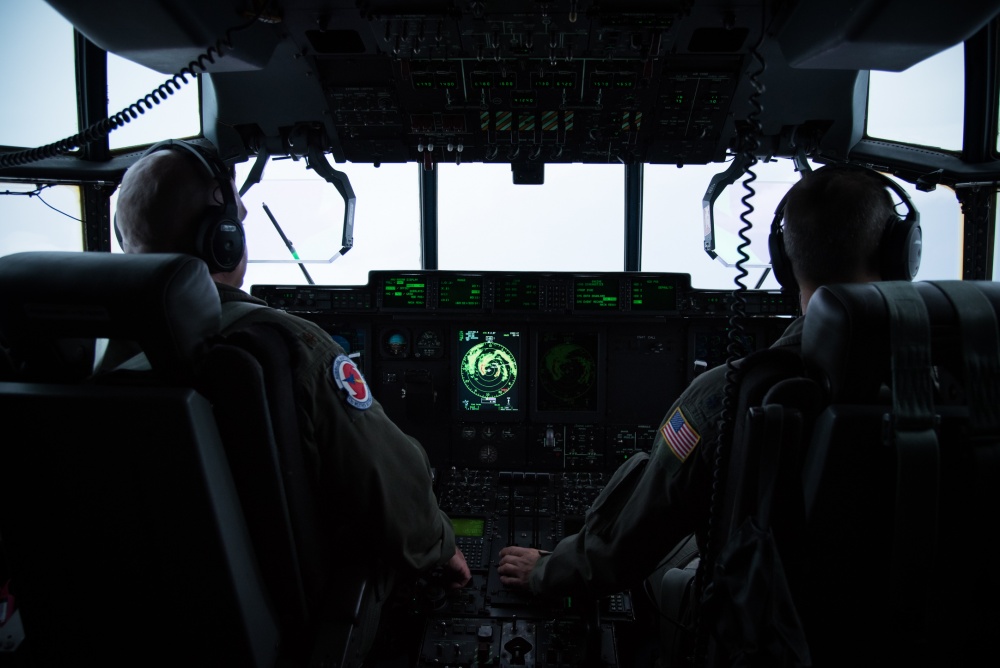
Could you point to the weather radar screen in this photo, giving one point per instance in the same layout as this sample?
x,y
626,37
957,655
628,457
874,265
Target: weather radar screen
x,y
568,371
489,381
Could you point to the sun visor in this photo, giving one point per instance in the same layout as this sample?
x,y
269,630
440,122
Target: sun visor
x,y
877,34
167,37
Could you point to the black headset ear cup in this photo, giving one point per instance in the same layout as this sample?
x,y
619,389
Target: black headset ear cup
x,y
780,264
220,241
900,249
118,232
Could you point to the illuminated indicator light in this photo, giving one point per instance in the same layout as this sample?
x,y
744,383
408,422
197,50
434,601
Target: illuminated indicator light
x,y
523,99
506,83
423,80
482,79
565,79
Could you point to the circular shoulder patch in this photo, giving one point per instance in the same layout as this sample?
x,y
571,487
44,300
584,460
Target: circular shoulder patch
x,y
348,378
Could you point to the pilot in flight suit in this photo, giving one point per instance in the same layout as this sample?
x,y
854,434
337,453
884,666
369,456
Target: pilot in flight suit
x,y
378,477
652,501
375,481
840,226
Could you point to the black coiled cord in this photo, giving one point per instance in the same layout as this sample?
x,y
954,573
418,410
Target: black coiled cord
x,y
736,349
103,128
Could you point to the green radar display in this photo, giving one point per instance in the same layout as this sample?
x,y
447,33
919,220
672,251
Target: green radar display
x,y
488,370
568,371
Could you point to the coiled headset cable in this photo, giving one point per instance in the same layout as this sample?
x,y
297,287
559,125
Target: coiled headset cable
x,y
146,103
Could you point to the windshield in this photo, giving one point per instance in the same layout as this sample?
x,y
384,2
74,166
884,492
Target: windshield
x,y
575,221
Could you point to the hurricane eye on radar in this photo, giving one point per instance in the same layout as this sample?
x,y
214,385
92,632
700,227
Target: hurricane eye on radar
x,y
489,370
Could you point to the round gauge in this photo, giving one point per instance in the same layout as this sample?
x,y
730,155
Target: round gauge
x,y
468,432
488,454
489,370
428,344
396,343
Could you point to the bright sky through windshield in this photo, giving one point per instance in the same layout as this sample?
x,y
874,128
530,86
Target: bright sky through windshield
x,y
575,222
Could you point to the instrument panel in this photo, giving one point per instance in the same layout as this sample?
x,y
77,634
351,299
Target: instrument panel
x,y
527,391
531,371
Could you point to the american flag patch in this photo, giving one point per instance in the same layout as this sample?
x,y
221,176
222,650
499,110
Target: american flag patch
x,y
679,435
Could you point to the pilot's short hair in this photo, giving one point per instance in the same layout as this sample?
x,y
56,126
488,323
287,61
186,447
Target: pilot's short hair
x,y
833,223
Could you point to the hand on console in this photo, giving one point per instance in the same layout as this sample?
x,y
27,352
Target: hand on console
x,y
516,564
456,571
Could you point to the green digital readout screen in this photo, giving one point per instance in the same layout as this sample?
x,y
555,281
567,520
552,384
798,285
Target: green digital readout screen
x,y
515,293
468,527
460,292
653,294
404,292
596,294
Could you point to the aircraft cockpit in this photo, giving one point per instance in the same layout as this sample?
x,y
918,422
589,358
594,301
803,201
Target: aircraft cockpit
x,y
529,224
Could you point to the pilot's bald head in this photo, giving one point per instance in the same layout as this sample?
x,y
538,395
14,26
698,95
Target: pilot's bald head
x,y
162,199
162,202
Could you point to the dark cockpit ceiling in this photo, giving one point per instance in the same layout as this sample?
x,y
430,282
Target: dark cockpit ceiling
x,y
530,82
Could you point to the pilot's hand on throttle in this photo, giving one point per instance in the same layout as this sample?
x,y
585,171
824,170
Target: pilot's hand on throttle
x,y
456,571
516,564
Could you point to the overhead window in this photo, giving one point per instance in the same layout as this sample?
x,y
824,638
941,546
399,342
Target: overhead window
x,y
38,80
177,116
923,105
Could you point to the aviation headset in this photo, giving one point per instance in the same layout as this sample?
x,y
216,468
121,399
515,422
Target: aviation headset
x,y
899,248
219,240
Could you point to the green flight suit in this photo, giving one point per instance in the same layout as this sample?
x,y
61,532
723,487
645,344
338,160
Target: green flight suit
x,y
377,478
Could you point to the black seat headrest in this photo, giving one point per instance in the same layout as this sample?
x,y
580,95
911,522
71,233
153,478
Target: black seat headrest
x,y
846,337
167,303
